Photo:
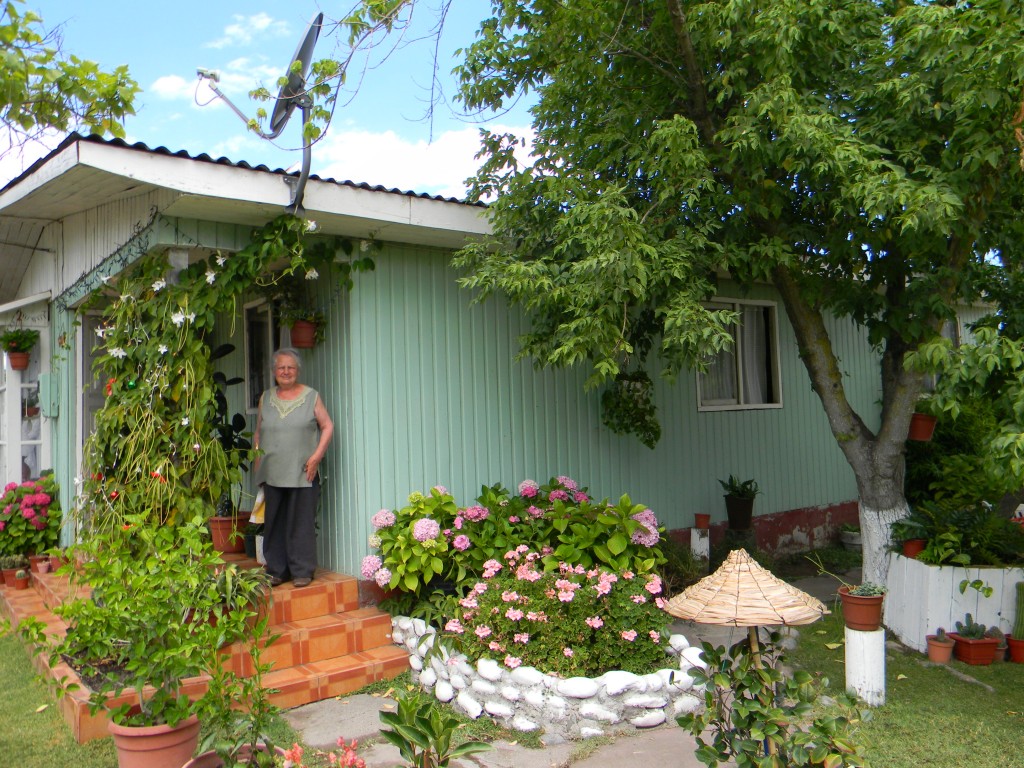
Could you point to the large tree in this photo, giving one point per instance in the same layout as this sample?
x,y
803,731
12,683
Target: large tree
x,y
861,156
42,88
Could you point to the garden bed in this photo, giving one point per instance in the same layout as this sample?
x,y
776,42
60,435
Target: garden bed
x,y
524,698
924,597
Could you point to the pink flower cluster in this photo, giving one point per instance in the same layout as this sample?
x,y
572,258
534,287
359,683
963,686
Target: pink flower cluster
x,y
370,565
528,489
383,519
425,529
649,537
476,513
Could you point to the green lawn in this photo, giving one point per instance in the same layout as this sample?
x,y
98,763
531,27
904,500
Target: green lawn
x,y
933,716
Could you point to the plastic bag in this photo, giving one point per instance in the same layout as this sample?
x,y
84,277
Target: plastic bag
x,y
258,508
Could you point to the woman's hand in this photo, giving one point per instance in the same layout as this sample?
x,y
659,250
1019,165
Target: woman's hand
x,y
311,466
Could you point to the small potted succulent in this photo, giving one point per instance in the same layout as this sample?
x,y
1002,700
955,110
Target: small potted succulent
x,y
21,579
862,606
972,644
940,647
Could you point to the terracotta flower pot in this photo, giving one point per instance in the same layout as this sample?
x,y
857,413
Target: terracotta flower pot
x,y
303,334
155,746
940,651
9,576
702,520
922,427
36,562
861,613
21,583
913,547
19,360
977,652
1016,650
227,533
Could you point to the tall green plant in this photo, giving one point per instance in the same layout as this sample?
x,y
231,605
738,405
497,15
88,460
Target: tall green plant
x,y
1018,621
424,734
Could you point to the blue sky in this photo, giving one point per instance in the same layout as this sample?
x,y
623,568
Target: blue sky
x,y
379,134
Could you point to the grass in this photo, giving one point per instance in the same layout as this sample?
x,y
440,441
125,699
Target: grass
x,y
933,715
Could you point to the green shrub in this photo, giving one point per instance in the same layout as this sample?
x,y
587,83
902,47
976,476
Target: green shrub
x,y
429,547
573,622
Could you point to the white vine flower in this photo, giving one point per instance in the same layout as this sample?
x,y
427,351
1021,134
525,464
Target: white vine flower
x,y
159,285
221,260
312,274
191,317
118,353
178,318
311,226
101,332
162,349
184,421
210,276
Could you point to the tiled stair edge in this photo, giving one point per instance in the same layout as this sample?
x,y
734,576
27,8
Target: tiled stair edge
x,y
302,673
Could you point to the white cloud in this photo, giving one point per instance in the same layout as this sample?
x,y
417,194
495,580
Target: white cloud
x,y
170,87
245,29
437,168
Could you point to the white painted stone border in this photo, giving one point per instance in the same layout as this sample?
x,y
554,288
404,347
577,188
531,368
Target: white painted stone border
x,y
525,698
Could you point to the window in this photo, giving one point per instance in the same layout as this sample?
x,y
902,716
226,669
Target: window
x,y
259,347
747,374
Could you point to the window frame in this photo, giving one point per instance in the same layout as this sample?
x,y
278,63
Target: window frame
x,y
266,308
737,305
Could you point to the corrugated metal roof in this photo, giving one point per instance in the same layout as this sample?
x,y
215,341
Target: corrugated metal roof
x,y
205,158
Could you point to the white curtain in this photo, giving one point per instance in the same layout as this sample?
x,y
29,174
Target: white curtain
x,y
754,349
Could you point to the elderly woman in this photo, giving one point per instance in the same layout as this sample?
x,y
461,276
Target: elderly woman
x,y
293,430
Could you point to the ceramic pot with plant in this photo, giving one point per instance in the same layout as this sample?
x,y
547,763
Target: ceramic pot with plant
x,y
21,579
849,535
912,533
18,343
940,647
862,606
972,645
1015,642
739,501
10,565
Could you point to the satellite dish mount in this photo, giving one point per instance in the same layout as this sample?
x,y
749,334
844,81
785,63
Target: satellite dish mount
x,y
292,94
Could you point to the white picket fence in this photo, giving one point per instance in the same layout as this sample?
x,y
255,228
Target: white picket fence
x,y
921,598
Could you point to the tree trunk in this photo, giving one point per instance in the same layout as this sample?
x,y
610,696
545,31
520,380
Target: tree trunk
x,y
875,532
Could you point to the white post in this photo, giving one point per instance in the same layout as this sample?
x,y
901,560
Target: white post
x,y
865,665
700,542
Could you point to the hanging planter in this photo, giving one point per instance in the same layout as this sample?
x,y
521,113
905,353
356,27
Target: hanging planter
x,y
303,334
17,343
922,426
19,360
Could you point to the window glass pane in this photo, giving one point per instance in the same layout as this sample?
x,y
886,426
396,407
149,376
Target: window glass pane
x,y
718,386
754,348
745,374
93,385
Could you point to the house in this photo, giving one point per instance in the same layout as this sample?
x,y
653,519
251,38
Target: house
x,y
422,384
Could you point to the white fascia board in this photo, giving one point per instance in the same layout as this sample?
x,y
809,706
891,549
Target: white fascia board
x,y
56,166
395,208
186,175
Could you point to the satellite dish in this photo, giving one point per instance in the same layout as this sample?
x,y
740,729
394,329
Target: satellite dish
x,y
292,94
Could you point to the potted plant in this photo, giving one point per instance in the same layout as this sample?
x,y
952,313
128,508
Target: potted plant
x,y
911,533
849,535
146,583
18,343
972,646
997,634
940,647
249,534
21,579
10,565
234,591
739,501
294,310
1016,639
226,526
862,606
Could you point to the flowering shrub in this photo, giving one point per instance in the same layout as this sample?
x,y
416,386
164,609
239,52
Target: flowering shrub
x,y
29,517
433,538
345,757
574,621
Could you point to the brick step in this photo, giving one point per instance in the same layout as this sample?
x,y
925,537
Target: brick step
x,y
325,644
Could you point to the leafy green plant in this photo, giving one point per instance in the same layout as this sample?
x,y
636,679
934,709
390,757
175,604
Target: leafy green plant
x,y
432,541
757,715
571,622
424,734
745,489
145,618
867,589
19,339
977,585
627,407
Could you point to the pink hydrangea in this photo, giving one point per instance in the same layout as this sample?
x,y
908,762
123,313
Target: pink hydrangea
x,y
385,518
534,512
441,490
558,495
461,542
371,564
382,577
491,567
580,497
476,513
528,489
567,482
649,537
10,487
425,529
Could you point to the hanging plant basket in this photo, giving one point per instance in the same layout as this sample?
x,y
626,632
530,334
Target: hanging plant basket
x,y
922,426
303,334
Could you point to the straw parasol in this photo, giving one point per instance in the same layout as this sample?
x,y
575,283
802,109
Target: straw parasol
x,y
743,594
